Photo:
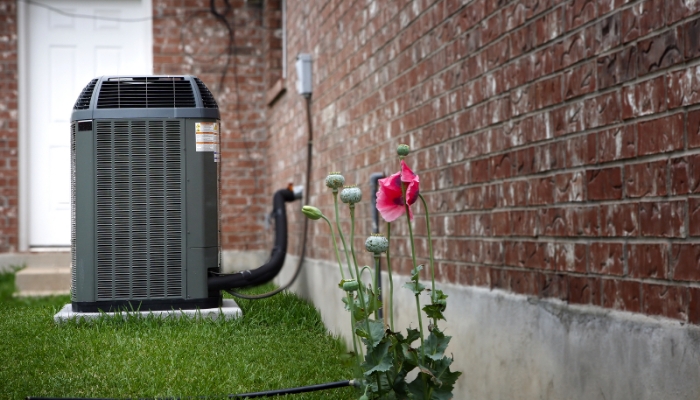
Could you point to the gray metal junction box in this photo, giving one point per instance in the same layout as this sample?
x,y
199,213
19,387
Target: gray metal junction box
x,y
144,194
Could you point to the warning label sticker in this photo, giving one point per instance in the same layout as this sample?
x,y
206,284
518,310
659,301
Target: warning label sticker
x,y
207,136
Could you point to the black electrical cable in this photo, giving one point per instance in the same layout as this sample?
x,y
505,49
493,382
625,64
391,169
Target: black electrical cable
x,y
268,393
307,189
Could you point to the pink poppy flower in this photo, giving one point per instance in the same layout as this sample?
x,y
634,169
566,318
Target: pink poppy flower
x,y
390,200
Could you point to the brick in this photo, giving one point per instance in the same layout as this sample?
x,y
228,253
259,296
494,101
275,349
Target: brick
x,y
604,184
570,257
621,295
685,174
581,150
568,118
502,166
617,143
525,223
663,219
569,187
691,33
541,190
514,194
664,300
473,275
578,12
554,286
606,258
683,87
660,135
603,110
619,220
573,49
694,305
584,220
694,216
647,260
501,225
650,96
531,255
585,290
661,51
618,67
685,262
608,32
693,128
679,9
480,170
523,282
553,222
580,80
646,179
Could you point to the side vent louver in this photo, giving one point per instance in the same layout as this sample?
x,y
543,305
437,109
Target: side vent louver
x,y
83,102
208,100
146,92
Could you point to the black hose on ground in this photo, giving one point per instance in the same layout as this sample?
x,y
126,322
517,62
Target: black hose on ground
x,y
269,393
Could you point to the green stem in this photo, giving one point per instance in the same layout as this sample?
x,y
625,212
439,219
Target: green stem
x,y
415,264
340,231
430,251
351,304
391,281
335,245
376,284
357,271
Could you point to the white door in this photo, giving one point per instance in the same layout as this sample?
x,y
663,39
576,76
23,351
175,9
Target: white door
x,y
69,43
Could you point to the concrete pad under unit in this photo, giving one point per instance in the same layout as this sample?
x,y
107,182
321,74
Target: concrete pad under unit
x,y
228,310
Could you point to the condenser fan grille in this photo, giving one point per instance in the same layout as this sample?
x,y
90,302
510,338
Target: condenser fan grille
x,y
139,209
83,102
146,92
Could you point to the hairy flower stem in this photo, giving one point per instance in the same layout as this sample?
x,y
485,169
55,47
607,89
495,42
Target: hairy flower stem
x,y
376,283
415,264
340,231
361,289
351,304
335,245
391,280
430,251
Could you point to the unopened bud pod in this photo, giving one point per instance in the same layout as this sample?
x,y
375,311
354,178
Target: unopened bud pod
x,y
402,150
377,244
350,285
335,181
312,212
351,195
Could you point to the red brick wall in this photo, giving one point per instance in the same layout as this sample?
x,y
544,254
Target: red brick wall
x,y
8,126
558,142
188,39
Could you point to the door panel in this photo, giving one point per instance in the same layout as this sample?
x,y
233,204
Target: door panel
x,y
64,53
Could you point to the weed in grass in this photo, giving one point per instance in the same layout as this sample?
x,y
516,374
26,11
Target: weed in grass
x,y
279,343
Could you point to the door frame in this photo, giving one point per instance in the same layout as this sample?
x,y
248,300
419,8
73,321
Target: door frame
x,y
23,162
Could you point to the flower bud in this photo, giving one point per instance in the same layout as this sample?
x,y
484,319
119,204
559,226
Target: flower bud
x,y
350,285
402,150
351,194
335,181
377,244
312,212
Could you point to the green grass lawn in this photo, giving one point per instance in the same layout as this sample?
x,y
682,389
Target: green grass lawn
x,y
280,342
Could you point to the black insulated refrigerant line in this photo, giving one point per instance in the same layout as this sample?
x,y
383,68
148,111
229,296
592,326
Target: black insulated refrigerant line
x,y
272,267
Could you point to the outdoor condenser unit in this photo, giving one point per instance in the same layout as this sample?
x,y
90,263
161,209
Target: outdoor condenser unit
x,y
144,194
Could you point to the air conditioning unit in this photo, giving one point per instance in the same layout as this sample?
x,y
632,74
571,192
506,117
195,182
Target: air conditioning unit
x,y
144,194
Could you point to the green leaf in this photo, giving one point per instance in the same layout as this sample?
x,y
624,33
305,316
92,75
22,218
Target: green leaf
x,y
436,344
415,287
434,311
438,297
415,273
376,331
413,335
447,379
377,359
